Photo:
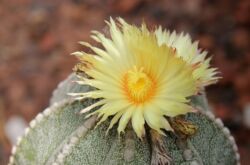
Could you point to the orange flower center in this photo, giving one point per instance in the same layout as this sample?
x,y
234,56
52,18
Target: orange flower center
x,y
139,86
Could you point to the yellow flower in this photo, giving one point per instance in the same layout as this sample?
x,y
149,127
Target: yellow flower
x,y
136,79
189,51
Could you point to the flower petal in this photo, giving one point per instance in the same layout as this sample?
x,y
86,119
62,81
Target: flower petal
x,y
138,122
125,119
142,75
115,120
156,120
173,108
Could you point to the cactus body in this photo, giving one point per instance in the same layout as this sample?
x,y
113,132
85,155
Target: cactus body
x,y
60,135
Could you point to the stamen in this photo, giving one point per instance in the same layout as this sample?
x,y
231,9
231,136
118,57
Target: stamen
x,y
139,86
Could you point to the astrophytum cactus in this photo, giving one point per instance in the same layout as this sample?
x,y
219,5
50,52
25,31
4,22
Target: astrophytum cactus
x,y
59,135
137,100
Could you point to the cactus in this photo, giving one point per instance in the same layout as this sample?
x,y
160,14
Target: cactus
x,y
59,135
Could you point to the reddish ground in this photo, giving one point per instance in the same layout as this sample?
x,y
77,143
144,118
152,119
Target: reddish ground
x,y
36,38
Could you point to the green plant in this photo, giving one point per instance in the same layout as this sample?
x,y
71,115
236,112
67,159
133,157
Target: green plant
x,y
59,135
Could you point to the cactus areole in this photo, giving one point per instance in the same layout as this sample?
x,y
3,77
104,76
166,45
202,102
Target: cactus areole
x,y
137,99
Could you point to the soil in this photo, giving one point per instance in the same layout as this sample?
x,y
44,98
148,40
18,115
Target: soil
x,y
37,37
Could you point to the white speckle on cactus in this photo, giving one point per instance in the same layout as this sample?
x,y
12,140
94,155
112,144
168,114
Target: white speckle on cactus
x,y
55,163
128,155
195,163
60,157
26,131
73,140
39,117
129,147
90,122
32,123
238,157
11,160
187,154
65,151
18,140
235,148
226,131
81,131
13,150
219,122
60,85
47,111
66,148
210,115
231,140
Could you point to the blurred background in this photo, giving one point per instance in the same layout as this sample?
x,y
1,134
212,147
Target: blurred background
x,y
37,36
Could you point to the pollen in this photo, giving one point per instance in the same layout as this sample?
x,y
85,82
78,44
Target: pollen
x,y
139,86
